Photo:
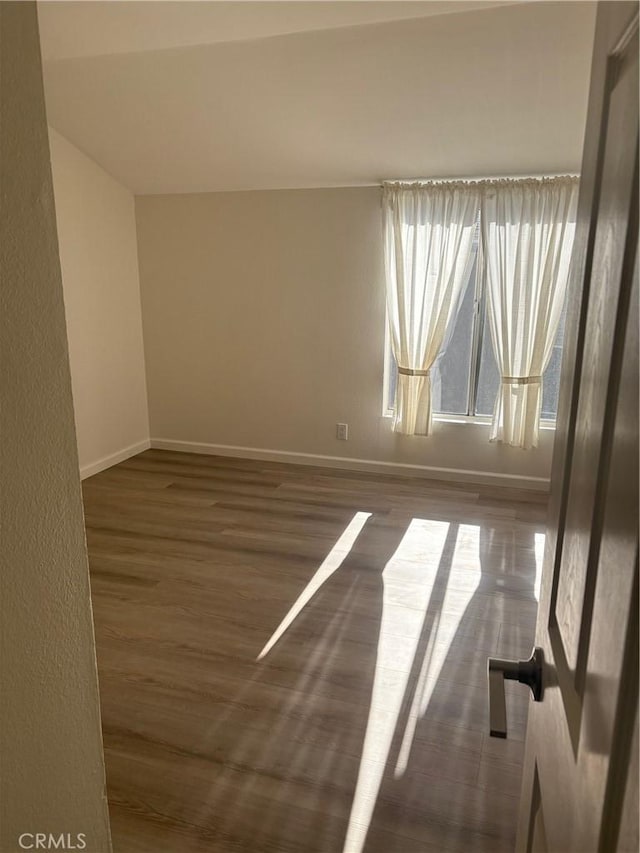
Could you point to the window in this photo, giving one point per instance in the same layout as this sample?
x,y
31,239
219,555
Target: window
x,y
465,378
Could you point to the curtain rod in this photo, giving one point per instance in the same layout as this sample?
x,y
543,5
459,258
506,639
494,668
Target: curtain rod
x,y
479,180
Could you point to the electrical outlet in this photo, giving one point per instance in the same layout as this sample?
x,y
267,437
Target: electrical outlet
x,y
342,431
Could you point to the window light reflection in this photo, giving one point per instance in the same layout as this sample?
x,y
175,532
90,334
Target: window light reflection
x,y
413,566
330,564
539,541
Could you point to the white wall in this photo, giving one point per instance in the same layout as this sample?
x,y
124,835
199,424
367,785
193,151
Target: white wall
x,y
98,254
53,777
264,326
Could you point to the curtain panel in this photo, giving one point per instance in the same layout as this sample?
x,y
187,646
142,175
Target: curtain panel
x,y
527,229
428,237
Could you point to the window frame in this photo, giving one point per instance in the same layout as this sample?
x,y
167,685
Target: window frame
x,y
479,312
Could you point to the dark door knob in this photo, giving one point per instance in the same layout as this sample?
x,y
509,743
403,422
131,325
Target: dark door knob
x,y
526,672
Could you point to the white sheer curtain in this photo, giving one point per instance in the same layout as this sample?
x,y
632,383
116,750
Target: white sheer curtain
x,y
527,231
428,235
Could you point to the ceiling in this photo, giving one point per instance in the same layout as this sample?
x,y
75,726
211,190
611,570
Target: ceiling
x,y
211,96
76,28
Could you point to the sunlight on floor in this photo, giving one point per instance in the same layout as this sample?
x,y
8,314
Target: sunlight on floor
x,y
330,564
539,552
409,578
465,567
428,585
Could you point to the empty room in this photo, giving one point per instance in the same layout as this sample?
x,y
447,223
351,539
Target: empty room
x,y
322,426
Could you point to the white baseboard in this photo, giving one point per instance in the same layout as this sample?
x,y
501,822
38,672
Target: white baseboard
x,y
451,474
113,459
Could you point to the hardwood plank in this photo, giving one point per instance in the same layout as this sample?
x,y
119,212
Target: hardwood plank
x,y
363,728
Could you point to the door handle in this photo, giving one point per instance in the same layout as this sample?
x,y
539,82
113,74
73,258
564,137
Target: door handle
x,y
525,671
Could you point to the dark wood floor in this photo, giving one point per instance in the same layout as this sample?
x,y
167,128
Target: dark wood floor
x,y
294,659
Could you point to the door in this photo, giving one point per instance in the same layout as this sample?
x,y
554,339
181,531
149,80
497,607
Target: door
x,y
581,733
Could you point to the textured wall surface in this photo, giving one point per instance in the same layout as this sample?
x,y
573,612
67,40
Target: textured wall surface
x,y
264,318
99,258
52,761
